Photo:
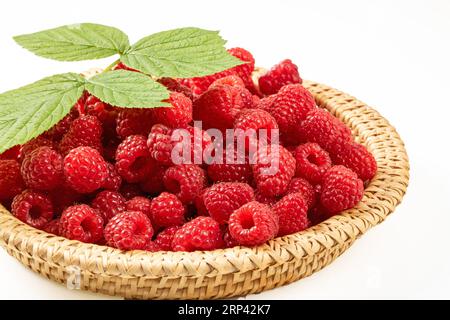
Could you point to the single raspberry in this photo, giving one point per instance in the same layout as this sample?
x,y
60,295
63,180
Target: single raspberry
x,y
266,102
129,230
341,189
289,108
273,168
85,131
300,185
108,204
201,233
232,80
223,198
131,190
11,182
33,208
312,162
244,70
133,161
153,185
323,128
62,127
42,169
292,211
185,181
85,170
134,121
11,154
160,144
228,239
176,86
239,89
253,224
141,204
167,210
356,157
255,125
114,180
268,200
179,115
199,204
280,75
53,227
82,223
164,239
35,143
222,171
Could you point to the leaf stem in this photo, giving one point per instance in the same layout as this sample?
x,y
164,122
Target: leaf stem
x,y
112,65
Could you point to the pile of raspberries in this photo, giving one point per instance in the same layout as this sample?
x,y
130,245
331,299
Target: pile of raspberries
x,y
104,174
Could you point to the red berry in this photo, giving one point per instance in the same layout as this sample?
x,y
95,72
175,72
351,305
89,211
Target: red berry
x,y
268,200
167,210
42,169
244,70
11,154
33,208
152,247
341,189
11,182
232,80
85,170
82,223
136,121
108,204
185,181
52,227
86,131
202,233
300,185
165,237
141,204
114,180
221,171
256,120
176,116
312,162
160,144
253,224
176,86
129,230
223,198
292,211
153,184
357,158
280,75
35,143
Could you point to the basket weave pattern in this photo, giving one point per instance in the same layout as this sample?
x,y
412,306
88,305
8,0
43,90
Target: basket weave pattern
x,y
235,271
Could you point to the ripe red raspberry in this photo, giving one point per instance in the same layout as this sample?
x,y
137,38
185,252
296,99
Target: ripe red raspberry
x,y
42,169
53,227
185,181
223,198
244,70
129,230
179,115
35,143
312,162
323,128
280,75
292,211
164,239
160,144
268,200
141,204
114,180
232,80
33,208
85,170
255,119
300,185
131,190
133,161
357,158
341,189
108,204
266,102
176,86
85,131
62,127
289,108
152,247
201,233
273,168
221,171
153,185
11,154
134,121
167,210
82,223
253,224
11,182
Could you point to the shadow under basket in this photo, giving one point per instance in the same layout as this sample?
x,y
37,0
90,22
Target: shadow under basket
x,y
235,271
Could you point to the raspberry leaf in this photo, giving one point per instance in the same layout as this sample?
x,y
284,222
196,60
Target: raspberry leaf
x,y
128,89
31,110
76,42
180,53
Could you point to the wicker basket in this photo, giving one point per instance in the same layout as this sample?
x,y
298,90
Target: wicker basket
x,y
235,271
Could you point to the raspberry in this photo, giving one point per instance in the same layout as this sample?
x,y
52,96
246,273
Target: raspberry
x,y
253,224
35,143
357,158
152,247
108,204
312,162
289,108
228,172
273,168
11,154
86,131
185,181
202,233
129,230
85,169
266,102
255,119
153,184
268,200
130,190
280,75
300,185
11,182
167,210
82,223
133,161
136,121
62,127
292,211
141,204
244,70
114,180
233,81
160,144
177,116
165,237
33,208
42,169
52,227
341,189
176,86
223,198
323,128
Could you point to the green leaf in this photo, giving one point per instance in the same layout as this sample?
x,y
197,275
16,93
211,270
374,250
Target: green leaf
x,y
180,53
31,110
76,42
128,89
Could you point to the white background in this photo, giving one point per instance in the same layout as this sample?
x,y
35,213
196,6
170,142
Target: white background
x,y
391,54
